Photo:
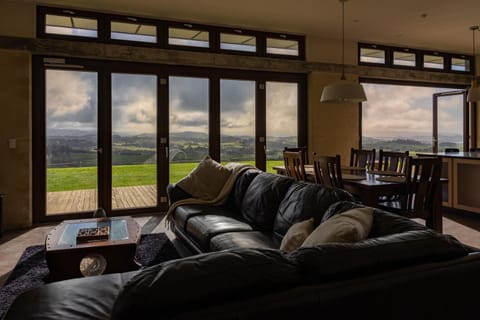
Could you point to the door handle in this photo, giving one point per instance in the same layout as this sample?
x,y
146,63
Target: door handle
x,y
99,150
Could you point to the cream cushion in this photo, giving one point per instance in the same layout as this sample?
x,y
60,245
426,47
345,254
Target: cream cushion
x,y
296,235
206,180
349,226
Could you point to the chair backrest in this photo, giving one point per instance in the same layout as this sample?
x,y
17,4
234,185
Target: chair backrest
x,y
392,161
296,149
362,158
422,179
328,170
294,165
474,149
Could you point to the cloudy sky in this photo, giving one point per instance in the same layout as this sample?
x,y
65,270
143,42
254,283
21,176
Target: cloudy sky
x,y
72,104
134,104
71,100
406,111
391,110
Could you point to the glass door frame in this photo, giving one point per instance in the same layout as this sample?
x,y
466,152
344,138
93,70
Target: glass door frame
x,y
40,65
104,70
163,72
261,78
466,121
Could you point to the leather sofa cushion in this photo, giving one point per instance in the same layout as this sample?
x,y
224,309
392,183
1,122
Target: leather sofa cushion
x,y
184,212
262,198
202,280
81,298
247,239
202,228
303,201
345,260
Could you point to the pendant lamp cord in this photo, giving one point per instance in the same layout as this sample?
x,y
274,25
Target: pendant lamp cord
x,y
474,28
473,43
343,39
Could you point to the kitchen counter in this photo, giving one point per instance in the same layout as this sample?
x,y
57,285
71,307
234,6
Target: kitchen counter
x,y
462,169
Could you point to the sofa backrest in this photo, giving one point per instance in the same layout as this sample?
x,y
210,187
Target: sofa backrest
x,y
217,278
262,198
193,282
338,260
242,183
384,222
305,200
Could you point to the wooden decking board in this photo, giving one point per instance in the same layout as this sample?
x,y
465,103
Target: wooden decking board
x,y
86,200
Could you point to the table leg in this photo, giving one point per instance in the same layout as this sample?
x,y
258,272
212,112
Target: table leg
x,y
436,220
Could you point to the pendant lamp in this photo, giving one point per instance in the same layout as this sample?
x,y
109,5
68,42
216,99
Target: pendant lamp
x,y
474,92
343,91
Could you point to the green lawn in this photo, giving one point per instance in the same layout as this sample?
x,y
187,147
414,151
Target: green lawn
x,y
77,178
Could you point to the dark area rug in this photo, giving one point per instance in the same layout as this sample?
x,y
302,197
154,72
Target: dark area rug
x,y
31,270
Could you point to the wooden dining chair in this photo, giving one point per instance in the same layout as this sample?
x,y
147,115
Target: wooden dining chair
x,y
294,165
362,158
296,149
393,161
421,190
327,170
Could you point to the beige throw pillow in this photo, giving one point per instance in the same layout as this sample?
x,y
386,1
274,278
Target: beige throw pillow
x,y
206,180
349,226
296,235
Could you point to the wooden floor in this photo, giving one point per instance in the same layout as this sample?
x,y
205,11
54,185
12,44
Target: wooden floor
x,y
86,200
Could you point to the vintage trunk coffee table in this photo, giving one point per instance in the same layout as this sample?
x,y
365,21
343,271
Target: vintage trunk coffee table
x,y
69,258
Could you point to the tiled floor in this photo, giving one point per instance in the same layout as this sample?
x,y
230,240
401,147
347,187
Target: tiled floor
x,y
462,225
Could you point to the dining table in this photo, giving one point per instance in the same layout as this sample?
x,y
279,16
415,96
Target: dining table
x,y
370,185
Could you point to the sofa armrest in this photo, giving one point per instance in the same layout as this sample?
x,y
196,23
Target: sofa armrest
x,y
175,193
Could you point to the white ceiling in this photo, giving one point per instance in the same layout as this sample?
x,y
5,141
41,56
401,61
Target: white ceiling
x,y
424,24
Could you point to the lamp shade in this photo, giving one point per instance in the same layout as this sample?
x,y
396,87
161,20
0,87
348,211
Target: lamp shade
x,y
343,91
473,94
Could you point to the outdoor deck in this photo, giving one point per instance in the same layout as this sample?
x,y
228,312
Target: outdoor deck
x,y
86,200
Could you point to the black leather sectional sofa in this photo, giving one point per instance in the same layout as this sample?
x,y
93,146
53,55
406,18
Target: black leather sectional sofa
x,y
403,270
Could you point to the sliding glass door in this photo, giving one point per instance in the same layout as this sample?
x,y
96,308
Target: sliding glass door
x,y
237,121
282,120
112,135
450,124
71,135
134,141
188,124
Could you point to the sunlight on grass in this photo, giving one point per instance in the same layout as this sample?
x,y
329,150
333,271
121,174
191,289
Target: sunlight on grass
x,y
78,178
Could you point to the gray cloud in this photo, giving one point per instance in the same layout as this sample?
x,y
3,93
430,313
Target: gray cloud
x,y
237,95
191,122
129,87
405,111
189,94
71,97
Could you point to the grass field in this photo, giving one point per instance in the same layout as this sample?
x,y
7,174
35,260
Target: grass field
x,y
77,178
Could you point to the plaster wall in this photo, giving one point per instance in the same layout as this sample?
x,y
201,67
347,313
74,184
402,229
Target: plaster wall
x,y
15,138
17,19
330,51
333,128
